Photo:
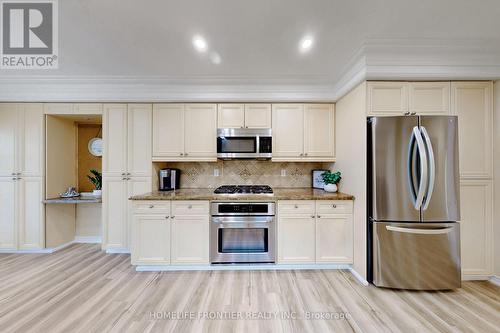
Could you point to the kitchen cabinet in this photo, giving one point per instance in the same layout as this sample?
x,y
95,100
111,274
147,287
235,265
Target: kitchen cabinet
x,y
73,109
167,232
22,160
472,102
127,168
244,115
476,228
404,98
303,132
315,232
429,98
9,213
184,132
151,245
387,98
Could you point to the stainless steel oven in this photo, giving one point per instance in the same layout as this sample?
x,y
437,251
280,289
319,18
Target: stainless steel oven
x,y
242,232
244,143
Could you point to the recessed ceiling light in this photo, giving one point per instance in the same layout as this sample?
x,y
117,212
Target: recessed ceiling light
x,y
306,44
199,43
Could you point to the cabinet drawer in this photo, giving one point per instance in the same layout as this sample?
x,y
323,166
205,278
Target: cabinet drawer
x,y
296,207
334,207
152,207
190,208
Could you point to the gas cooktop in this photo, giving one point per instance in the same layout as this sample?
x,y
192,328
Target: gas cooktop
x,y
244,189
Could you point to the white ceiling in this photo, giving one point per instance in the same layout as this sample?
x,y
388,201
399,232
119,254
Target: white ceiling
x,y
117,42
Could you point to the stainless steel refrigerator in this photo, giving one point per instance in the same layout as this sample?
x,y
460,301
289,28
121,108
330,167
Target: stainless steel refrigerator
x,y
413,202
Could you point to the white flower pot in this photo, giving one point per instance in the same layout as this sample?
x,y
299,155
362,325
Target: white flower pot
x,y
97,193
330,187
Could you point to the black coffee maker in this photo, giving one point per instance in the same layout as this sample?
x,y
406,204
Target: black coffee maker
x,y
169,179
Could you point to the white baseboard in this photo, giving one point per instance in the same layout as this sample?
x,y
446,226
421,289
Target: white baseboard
x,y
495,279
34,251
116,251
88,239
239,267
360,278
476,277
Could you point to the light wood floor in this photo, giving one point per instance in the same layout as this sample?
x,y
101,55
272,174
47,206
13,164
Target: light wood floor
x,y
83,289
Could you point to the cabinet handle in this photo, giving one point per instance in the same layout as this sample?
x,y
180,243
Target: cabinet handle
x,y
123,173
305,154
172,216
318,216
413,113
19,178
167,217
181,154
152,206
242,126
312,216
190,206
185,154
246,126
334,206
407,113
296,206
14,178
13,174
301,154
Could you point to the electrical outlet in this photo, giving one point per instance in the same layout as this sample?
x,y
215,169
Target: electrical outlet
x,y
216,172
283,172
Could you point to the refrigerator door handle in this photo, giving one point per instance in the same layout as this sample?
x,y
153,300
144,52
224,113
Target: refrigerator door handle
x,y
432,168
422,153
435,231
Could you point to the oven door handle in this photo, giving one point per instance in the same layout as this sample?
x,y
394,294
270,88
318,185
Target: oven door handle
x,y
243,220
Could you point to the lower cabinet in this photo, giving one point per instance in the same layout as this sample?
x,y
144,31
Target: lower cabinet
x,y
315,232
165,232
151,240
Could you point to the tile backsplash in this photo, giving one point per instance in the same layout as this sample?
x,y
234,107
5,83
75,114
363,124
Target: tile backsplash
x,y
244,172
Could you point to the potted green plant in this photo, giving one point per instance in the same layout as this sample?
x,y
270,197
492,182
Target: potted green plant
x,y
96,180
331,179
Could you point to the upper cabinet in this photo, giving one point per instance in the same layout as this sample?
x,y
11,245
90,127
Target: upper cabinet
x,y
244,115
127,140
472,102
184,132
303,132
405,98
22,143
70,108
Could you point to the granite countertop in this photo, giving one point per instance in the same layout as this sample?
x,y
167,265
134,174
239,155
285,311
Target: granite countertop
x,y
305,193
75,200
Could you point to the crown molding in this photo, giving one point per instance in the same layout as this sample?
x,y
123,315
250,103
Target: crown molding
x,y
376,59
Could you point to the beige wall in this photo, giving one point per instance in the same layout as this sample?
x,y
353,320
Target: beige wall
x,y
350,141
496,147
241,172
86,160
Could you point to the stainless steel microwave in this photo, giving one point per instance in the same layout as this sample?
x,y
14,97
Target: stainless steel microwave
x,y
244,143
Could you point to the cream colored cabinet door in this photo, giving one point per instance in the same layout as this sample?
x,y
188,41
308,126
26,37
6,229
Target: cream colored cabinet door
x,y
87,109
115,140
296,239
387,98
135,186
58,108
9,145
31,213
319,130
114,201
429,98
151,240
168,131
473,103
476,228
258,116
200,131
190,237
8,213
139,136
288,131
32,140
230,116
334,238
